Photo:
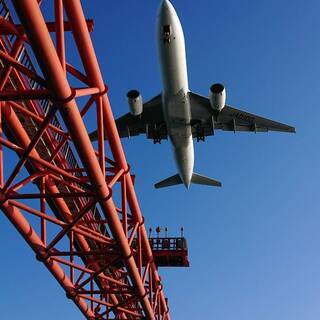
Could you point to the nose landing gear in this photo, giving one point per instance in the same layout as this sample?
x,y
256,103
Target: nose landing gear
x,y
200,134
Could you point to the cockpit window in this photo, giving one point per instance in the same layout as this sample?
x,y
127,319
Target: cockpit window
x,y
167,33
167,30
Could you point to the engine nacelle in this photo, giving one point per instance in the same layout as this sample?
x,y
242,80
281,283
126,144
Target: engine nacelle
x,y
217,96
135,102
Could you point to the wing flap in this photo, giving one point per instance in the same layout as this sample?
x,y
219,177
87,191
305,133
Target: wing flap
x,y
245,121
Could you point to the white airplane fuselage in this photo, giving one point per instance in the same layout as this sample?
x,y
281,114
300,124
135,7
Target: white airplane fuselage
x,y
175,98
184,113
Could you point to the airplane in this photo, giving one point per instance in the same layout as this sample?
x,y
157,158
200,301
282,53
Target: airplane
x,y
181,114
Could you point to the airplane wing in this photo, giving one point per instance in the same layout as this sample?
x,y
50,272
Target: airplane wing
x,y
228,119
151,122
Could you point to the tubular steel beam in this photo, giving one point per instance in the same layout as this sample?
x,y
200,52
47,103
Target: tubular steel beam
x,y
31,146
25,229
103,262
50,25
39,37
87,53
23,139
11,61
23,226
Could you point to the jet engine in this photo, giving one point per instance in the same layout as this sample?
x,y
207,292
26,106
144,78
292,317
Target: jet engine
x,y
135,102
217,96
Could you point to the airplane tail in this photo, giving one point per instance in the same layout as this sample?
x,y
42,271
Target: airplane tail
x,y
199,179
195,179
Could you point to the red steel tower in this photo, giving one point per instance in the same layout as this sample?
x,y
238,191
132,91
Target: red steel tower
x,y
99,251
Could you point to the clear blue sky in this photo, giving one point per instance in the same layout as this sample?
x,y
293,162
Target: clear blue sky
x,y
254,244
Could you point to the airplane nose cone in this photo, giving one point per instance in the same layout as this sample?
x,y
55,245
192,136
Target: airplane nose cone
x,y
166,13
165,6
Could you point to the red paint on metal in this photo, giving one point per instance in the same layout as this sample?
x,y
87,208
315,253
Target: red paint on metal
x,y
6,30
111,274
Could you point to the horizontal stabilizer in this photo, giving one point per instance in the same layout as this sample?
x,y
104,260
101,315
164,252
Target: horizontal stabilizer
x,y
195,179
171,181
199,179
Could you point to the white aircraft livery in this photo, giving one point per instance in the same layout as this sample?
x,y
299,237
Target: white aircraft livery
x,y
180,114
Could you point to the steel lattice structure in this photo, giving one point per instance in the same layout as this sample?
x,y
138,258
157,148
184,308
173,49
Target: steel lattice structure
x,y
100,254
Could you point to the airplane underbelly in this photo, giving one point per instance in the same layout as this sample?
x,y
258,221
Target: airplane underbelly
x,y
178,115
184,159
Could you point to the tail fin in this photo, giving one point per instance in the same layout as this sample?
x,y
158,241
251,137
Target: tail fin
x,y
195,179
199,179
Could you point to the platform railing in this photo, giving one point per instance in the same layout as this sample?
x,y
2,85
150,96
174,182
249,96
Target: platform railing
x,y
173,244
